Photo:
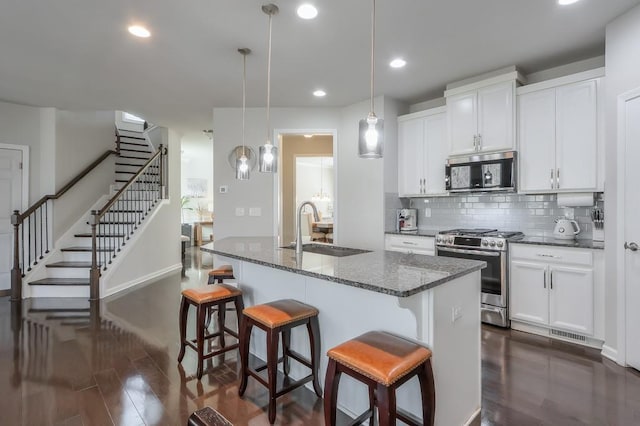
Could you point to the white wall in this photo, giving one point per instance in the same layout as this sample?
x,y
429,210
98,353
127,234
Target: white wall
x,y
156,250
258,190
196,163
623,74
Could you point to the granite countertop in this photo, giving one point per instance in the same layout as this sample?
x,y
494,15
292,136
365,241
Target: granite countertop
x,y
418,233
392,273
550,241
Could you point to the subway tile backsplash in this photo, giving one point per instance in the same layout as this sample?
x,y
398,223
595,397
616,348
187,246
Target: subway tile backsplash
x,y
534,215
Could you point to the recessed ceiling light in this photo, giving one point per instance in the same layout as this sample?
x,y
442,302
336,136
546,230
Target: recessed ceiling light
x,y
319,93
567,2
307,11
139,31
397,63
308,136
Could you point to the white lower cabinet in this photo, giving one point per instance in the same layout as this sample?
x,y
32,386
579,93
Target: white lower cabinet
x,y
411,244
556,288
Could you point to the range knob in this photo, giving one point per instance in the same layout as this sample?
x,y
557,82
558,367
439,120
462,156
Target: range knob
x,y
500,244
485,243
439,239
450,241
492,243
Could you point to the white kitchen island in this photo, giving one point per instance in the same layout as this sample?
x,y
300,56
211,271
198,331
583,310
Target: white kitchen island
x,y
433,300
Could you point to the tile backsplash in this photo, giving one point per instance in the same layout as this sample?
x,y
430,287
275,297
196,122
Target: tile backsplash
x,y
534,215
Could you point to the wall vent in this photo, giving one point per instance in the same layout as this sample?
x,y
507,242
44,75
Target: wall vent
x,y
566,335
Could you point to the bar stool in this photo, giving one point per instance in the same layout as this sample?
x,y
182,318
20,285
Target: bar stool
x,y
274,318
217,295
383,362
223,272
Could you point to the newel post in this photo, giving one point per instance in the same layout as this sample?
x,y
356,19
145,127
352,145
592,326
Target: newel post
x,y
94,273
163,183
16,272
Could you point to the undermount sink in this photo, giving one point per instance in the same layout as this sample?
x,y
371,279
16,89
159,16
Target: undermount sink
x,y
328,250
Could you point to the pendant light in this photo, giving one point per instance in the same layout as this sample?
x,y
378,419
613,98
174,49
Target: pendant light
x,y
370,140
242,163
268,157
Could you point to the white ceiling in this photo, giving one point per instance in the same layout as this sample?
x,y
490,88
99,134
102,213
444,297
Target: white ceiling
x,y
77,54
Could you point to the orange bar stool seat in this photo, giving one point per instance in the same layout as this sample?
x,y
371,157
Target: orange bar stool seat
x,y
223,272
276,318
383,362
204,299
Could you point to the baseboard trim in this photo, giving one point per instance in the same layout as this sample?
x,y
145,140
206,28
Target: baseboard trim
x,y
610,353
145,279
5,293
473,417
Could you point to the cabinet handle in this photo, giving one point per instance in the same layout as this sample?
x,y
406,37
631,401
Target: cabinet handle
x,y
545,280
479,142
548,255
551,280
558,178
551,179
424,185
407,243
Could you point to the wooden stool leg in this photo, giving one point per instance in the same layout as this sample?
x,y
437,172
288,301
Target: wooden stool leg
x,y
273,336
286,344
222,312
200,338
372,405
314,341
245,336
184,311
331,382
428,391
386,401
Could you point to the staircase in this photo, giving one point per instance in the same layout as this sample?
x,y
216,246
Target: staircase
x,y
134,193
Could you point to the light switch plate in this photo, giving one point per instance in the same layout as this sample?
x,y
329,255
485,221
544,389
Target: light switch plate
x,y
427,212
224,189
255,211
239,211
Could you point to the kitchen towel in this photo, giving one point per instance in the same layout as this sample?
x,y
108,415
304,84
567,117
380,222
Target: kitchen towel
x,y
575,199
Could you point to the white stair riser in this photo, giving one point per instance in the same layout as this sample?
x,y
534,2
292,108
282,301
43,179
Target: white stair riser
x,y
68,272
75,256
132,169
60,291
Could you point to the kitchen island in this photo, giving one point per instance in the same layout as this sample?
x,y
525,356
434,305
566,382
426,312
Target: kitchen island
x,y
432,300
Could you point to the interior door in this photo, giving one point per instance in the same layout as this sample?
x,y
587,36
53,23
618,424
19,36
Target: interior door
x,y
632,228
10,200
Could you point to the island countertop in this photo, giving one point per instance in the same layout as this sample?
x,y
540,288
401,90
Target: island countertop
x,y
387,272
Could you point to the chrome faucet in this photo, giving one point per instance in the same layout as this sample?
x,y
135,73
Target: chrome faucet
x,y
316,217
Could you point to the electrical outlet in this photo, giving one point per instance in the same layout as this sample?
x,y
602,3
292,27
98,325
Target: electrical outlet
x,y
239,211
255,211
427,212
456,313
224,189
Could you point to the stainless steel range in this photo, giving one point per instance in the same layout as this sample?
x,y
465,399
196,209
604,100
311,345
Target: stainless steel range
x,y
491,246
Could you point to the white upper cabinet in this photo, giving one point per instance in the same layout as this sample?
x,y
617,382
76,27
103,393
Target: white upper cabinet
x,y
559,136
422,152
481,119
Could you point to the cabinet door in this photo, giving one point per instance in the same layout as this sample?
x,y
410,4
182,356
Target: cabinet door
x,y
577,136
571,299
537,135
462,117
410,156
529,296
496,116
435,147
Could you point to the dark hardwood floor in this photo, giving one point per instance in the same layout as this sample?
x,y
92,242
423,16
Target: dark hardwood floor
x,y
66,362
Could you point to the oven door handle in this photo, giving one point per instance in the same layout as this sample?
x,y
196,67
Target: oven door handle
x,y
472,252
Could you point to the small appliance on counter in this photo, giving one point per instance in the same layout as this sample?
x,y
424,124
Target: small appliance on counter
x,y
566,229
407,221
597,216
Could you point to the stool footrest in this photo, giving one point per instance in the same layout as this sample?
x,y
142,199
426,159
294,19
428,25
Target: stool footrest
x,y
220,351
407,417
361,418
298,357
294,385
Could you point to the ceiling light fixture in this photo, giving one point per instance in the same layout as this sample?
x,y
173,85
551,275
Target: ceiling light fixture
x,y
370,140
319,93
307,11
308,136
567,2
398,63
139,31
242,165
268,158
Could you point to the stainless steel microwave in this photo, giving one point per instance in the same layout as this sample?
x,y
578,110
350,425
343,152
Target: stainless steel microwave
x,y
481,173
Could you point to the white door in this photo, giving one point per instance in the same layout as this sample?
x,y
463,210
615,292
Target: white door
x,y
462,116
435,146
631,111
571,299
410,156
577,136
529,294
496,117
537,136
10,200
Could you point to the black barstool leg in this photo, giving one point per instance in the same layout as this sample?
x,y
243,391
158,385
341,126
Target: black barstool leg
x,y
386,401
273,336
332,380
313,328
245,336
222,312
427,389
286,344
200,338
184,311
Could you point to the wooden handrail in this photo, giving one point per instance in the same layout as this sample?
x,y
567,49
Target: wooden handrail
x,y
67,187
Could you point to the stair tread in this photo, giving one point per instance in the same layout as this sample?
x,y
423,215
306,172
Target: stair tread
x,y
69,265
83,249
59,310
133,173
118,223
134,165
125,211
134,158
135,150
141,135
133,143
88,235
62,281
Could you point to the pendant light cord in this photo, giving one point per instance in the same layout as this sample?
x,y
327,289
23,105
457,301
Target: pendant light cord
x,y
373,37
244,95
269,83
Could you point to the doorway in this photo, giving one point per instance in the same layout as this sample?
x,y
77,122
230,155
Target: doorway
x,y
629,230
308,174
11,194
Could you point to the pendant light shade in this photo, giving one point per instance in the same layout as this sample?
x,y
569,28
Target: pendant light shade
x,y
371,129
242,163
268,155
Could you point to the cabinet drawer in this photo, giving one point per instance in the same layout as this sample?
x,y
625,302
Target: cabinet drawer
x,y
406,243
550,254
